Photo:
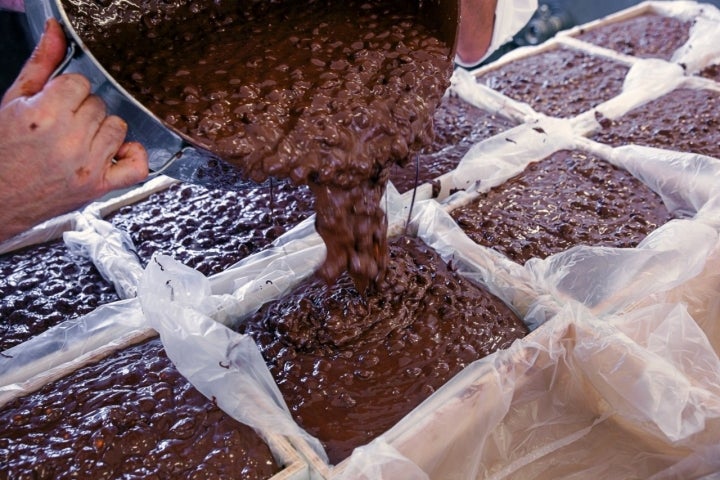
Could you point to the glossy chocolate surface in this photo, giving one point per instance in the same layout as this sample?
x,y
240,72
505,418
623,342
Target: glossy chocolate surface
x,y
131,415
570,198
328,94
685,120
457,127
210,230
559,82
44,285
351,367
645,36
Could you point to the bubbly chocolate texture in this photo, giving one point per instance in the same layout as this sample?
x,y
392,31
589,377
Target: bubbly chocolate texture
x,y
131,415
644,36
210,230
569,198
685,120
350,367
458,126
44,285
329,94
560,82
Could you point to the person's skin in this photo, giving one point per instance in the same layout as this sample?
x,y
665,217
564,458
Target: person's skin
x,y
477,19
59,150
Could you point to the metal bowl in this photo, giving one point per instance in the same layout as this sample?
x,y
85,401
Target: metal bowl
x,y
170,151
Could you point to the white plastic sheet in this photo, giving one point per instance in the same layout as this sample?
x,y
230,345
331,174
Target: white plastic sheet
x,y
579,398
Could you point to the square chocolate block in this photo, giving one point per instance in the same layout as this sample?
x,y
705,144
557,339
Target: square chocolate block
x,y
645,36
131,415
350,367
559,82
209,230
44,285
684,120
569,198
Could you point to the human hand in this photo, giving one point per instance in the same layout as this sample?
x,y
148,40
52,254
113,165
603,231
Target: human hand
x,y
59,149
477,21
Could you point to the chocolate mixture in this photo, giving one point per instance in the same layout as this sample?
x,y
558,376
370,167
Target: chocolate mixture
x,y
44,285
685,120
567,199
132,415
210,230
711,71
351,367
560,82
329,94
644,36
458,126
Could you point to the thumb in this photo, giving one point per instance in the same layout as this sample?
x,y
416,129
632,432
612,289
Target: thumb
x,y
48,54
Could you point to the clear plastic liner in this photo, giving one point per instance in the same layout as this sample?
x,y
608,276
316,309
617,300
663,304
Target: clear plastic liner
x,y
111,250
620,377
634,396
71,344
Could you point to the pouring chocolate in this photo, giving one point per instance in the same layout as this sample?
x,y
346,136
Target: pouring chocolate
x,y
329,94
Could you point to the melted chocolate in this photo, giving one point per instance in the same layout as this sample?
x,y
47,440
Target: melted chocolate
x,y
560,82
570,198
210,230
711,71
686,120
351,367
132,415
42,286
457,126
328,94
644,36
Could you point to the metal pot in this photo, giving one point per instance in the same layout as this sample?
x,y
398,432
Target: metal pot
x,y
171,152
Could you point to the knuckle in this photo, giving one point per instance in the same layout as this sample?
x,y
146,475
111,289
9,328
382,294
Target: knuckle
x,y
74,82
115,126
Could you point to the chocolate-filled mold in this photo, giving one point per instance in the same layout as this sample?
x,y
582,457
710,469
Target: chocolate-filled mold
x,y
457,127
560,81
351,367
210,230
569,198
131,414
685,120
649,35
44,285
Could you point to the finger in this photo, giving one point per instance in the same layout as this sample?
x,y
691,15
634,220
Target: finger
x,y
67,92
91,113
46,56
107,140
130,168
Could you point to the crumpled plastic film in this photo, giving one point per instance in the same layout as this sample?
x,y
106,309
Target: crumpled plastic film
x,y
686,182
222,364
700,294
380,460
490,163
110,249
68,345
50,230
578,398
701,48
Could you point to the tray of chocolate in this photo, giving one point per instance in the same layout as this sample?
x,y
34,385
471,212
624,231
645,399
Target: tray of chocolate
x,y
548,310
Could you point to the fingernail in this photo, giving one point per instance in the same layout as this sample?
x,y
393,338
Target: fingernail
x,y
47,25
